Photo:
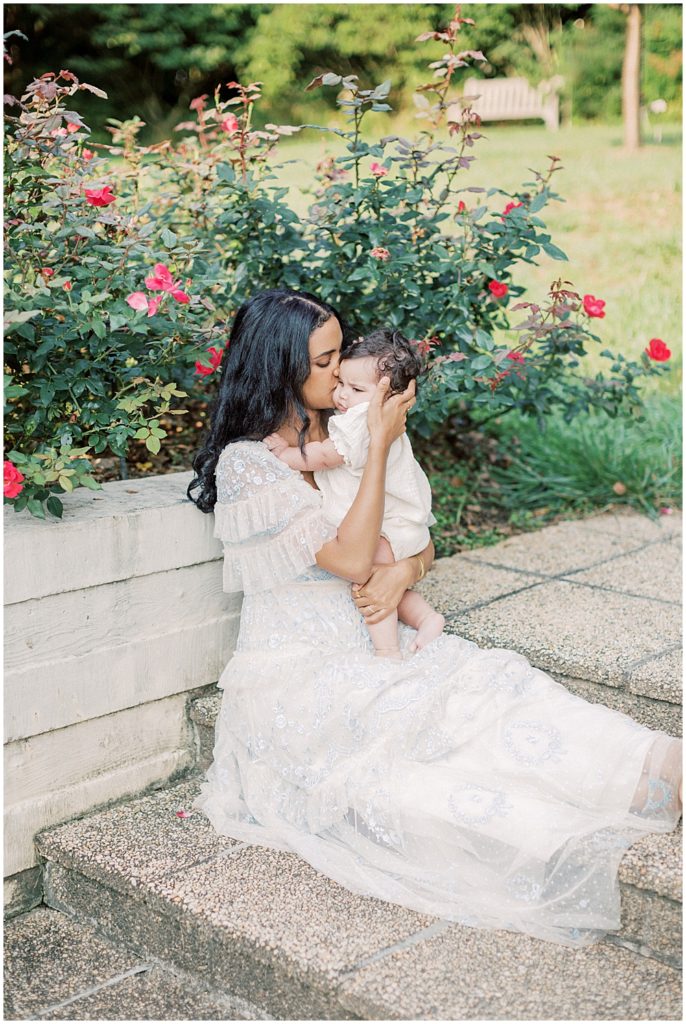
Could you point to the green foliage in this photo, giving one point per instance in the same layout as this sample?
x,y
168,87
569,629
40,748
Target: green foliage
x,y
153,58
84,371
597,461
393,237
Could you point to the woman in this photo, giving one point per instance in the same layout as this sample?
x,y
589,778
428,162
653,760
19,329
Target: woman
x,y
460,782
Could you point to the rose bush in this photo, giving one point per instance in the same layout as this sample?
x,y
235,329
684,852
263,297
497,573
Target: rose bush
x,y
124,265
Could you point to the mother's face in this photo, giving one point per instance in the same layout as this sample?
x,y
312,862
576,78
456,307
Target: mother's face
x,y
325,351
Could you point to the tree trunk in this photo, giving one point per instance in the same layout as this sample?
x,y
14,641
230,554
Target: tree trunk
x,y
631,80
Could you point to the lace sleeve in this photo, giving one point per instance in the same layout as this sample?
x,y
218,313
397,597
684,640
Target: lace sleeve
x,y
269,519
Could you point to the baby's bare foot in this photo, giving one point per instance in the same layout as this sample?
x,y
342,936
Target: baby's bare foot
x,y
428,629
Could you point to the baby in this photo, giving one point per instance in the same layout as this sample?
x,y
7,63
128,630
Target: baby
x,y
339,461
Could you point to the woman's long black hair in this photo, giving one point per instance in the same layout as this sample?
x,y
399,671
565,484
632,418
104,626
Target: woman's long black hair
x,y
263,372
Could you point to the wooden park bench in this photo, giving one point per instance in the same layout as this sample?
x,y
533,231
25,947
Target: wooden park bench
x,y
513,99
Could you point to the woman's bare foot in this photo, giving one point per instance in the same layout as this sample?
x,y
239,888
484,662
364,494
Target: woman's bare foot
x,y
428,629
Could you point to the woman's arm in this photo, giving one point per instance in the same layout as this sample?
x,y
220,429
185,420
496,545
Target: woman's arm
x,y
351,553
386,585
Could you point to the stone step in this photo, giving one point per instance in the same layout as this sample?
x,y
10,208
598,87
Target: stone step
x,y
262,926
650,874
57,968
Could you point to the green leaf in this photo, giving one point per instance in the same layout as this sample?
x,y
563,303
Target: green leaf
x,y
55,506
168,238
552,250
226,172
36,509
538,202
65,483
88,481
153,444
481,362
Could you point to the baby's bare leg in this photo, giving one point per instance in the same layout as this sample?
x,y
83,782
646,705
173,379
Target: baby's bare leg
x,y
384,634
415,611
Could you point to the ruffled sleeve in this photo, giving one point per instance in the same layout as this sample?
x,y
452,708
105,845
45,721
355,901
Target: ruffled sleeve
x,y
350,435
269,520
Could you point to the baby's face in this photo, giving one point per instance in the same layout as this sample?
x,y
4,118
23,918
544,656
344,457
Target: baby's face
x,y
357,380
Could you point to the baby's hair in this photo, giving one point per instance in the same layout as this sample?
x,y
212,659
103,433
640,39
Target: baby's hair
x,y
396,357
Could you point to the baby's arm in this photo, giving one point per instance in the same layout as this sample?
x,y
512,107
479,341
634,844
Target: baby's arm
x,y
318,454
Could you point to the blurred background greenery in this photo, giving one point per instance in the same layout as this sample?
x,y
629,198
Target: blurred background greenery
x,y
619,224
152,59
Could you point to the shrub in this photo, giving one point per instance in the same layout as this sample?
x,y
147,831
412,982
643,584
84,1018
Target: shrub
x,y
122,271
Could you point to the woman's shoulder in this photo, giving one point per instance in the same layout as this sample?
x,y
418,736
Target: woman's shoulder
x,y
245,467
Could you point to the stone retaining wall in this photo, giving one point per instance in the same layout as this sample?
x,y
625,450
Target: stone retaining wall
x,y
111,617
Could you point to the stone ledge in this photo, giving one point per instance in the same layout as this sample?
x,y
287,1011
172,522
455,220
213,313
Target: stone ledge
x,y
129,528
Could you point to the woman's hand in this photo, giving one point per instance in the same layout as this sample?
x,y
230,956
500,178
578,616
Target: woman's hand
x,y
387,415
383,591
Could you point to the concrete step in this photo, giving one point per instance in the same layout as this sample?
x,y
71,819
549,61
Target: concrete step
x,y
650,874
595,602
57,968
262,926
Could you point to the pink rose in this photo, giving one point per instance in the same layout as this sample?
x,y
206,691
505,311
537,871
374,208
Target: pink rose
x,y
230,124
379,253
87,154
161,281
12,480
140,301
378,170
100,196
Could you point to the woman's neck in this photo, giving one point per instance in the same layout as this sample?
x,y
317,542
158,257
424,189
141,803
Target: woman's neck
x,y
316,431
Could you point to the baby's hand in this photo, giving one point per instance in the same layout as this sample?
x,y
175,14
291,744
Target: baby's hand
x,y
276,444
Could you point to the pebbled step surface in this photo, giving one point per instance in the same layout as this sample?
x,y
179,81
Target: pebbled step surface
x,y
59,969
263,926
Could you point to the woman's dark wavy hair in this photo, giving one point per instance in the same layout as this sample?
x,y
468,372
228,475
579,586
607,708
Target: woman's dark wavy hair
x,y
263,372
396,357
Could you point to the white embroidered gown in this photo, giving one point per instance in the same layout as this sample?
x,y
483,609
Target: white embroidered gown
x,y
461,782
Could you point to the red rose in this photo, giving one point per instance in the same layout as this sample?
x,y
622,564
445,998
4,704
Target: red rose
x,y
497,289
67,286
658,351
516,357
594,307
100,196
461,206
47,271
215,355
87,154
510,206
12,480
